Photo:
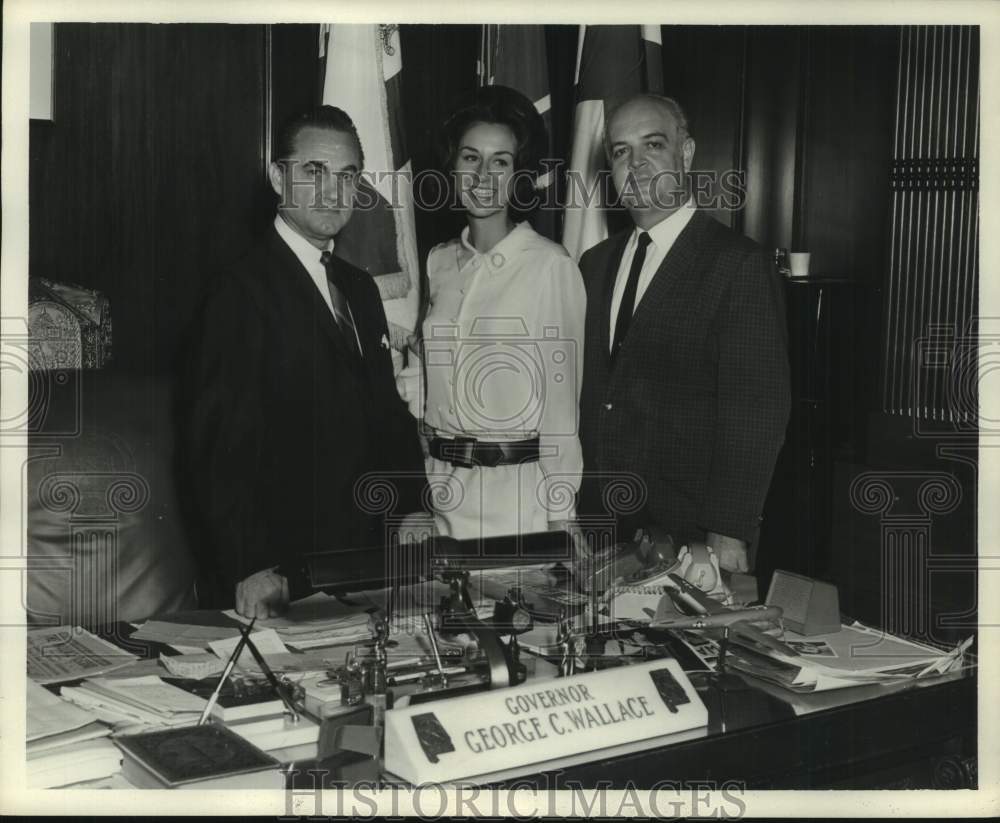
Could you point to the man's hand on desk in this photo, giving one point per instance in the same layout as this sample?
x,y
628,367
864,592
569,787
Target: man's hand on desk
x,y
581,551
417,527
264,594
731,551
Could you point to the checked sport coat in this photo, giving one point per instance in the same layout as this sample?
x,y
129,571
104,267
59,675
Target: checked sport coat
x,y
697,400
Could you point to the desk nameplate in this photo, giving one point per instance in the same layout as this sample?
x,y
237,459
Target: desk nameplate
x,y
527,726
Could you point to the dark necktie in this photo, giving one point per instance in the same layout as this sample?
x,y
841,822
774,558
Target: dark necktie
x,y
627,307
341,308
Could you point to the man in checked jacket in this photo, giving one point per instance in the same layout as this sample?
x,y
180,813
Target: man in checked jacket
x,y
686,376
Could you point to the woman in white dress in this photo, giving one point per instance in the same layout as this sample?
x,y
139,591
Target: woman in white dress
x,y
502,340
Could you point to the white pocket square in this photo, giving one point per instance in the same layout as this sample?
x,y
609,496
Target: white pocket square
x,y
385,342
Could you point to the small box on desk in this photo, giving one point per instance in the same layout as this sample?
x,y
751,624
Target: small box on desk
x,y
809,606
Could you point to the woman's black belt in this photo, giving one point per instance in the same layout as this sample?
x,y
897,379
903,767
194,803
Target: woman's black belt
x,y
468,452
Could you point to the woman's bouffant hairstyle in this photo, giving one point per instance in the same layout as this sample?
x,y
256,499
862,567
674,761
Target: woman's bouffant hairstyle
x,y
507,107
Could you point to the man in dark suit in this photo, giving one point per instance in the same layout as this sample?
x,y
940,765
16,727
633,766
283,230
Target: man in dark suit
x,y
686,377
289,392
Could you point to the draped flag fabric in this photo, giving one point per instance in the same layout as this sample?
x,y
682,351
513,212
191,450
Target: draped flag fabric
x,y
362,76
515,56
612,63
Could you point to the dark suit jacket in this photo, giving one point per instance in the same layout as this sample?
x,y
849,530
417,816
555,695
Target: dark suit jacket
x,y
280,419
698,399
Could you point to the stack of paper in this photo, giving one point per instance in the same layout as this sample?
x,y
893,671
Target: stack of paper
x,y
265,641
317,620
74,763
140,701
65,743
855,655
193,666
48,715
183,634
140,668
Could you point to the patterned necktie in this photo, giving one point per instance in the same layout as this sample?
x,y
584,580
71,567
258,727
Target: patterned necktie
x,y
341,308
627,308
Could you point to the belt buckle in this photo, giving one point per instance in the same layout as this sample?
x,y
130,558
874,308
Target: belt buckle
x,y
461,450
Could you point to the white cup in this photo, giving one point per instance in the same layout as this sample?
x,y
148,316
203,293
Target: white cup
x,y
798,263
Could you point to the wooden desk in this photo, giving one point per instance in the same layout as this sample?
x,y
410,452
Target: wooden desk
x,y
913,736
921,734
920,737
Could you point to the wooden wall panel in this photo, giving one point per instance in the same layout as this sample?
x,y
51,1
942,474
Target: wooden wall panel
x,y
843,200
771,119
843,193
704,70
296,85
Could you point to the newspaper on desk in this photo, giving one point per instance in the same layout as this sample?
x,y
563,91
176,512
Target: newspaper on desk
x,y
55,655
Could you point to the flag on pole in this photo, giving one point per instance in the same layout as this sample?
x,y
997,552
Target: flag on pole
x,y
612,63
515,56
362,76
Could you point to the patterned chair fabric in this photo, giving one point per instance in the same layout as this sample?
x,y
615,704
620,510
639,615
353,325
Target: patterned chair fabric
x,y
69,326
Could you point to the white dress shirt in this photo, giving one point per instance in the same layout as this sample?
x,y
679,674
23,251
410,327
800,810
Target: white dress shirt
x,y
503,356
309,256
662,237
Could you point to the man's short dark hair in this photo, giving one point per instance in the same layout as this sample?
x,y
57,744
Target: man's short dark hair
x,y
323,117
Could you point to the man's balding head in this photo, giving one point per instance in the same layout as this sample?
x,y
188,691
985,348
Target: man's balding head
x,y
650,151
668,105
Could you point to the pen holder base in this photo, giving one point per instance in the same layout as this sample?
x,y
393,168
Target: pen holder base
x,y
351,730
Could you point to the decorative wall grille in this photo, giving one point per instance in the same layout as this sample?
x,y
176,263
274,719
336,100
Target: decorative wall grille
x,y
932,300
